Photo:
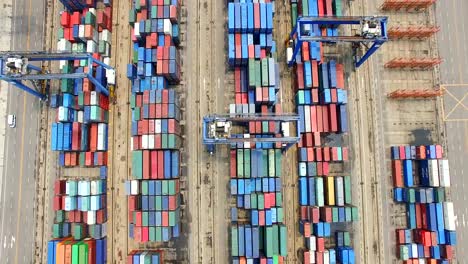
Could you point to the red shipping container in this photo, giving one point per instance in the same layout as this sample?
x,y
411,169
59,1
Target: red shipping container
x,y
326,153
138,218
91,251
320,168
400,234
160,165
334,154
173,202
328,7
307,229
158,110
420,152
319,119
146,164
93,137
304,213
261,218
397,173
447,251
320,244
434,239
439,152
326,168
89,159
165,218
57,203
314,215
300,76
157,142
333,117
315,74
402,152
310,154
318,257
305,51
256,16
59,187
233,164
326,125
422,216
306,257
65,19
137,233
315,95
144,234
313,118
318,154
334,95
154,164
317,141
326,214
309,140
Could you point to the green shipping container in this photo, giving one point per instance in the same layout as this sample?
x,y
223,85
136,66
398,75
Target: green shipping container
x,y
279,215
260,201
265,80
234,241
346,239
283,239
305,8
90,19
271,163
293,15
265,126
78,232
144,187
158,203
240,163
300,98
265,163
337,8
439,195
335,217
154,12
347,189
172,187
252,72
279,199
404,252
269,241
152,233
258,75
66,86
83,253
276,242
278,162
247,163
158,234
75,254
57,230
165,188
348,214
339,152
144,218
132,17
355,214
253,201
60,216
137,164
172,218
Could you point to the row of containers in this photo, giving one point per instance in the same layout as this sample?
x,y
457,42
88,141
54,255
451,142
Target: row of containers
x,y
80,135
421,178
255,168
153,190
321,102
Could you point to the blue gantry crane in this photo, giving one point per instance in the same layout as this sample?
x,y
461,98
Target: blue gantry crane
x,y
373,33
217,129
16,67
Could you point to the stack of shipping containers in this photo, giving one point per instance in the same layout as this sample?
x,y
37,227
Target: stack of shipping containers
x,y
80,134
321,101
154,190
255,168
421,177
147,257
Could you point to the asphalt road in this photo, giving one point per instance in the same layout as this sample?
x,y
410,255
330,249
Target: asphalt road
x,y
18,184
454,70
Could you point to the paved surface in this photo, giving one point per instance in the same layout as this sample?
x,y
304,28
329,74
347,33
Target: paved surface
x,y
452,42
18,184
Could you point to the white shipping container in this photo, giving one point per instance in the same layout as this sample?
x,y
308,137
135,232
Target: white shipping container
x,y
63,45
422,261
326,257
110,74
91,46
307,119
157,126
104,229
232,109
302,169
62,113
247,144
95,203
312,245
251,108
106,35
93,98
444,173
414,250
449,216
84,188
101,144
80,116
136,29
92,11
167,27
144,141
131,144
91,218
433,171
81,32
134,187
62,64
151,141
271,71
142,258
285,129
96,36
339,191
312,257
245,108
250,261
94,187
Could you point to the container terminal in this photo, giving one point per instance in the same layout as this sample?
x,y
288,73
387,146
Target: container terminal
x,y
237,131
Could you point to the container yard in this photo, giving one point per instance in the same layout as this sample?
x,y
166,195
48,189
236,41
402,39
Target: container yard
x,y
171,131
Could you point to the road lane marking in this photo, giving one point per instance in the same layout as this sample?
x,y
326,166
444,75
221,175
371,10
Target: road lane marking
x,y
22,141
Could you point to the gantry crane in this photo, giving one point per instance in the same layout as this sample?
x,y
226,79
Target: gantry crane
x,y
217,129
16,67
373,32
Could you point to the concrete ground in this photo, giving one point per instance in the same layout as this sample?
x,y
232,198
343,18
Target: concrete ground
x,y
18,174
452,40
